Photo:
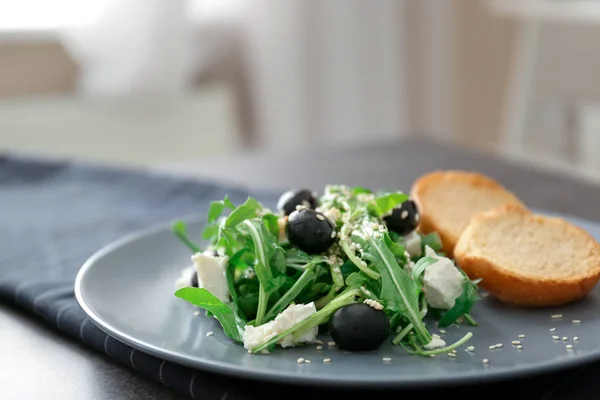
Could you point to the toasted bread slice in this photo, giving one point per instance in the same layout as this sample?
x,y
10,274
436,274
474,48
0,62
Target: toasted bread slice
x,y
447,200
528,259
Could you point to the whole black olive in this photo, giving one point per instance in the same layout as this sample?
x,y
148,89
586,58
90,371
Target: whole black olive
x,y
403,219
292,198
359,327
310,231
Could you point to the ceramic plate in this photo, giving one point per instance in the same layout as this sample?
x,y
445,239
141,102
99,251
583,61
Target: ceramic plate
x,y
127,290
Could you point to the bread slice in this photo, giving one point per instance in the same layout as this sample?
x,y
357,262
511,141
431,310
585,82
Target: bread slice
x,y
447,200
528,259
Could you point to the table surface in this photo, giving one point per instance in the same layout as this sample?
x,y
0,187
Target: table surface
x,y
34,357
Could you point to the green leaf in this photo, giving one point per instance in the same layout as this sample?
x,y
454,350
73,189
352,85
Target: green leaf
x,y
292,293
358,190
216,209
397,249
271,222
383,205
233,325
398,290
421,265
243,212
463,304
432,240
179,229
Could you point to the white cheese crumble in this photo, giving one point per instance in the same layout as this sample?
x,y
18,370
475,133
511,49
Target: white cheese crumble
x,y
255,336
412,244
185,278
442,282
332,213
211,274
436,343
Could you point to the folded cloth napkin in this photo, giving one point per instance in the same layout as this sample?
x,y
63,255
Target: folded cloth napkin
x,y
56,214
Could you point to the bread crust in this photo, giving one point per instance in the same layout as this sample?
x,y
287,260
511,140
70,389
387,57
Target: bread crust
x,y
424,183
518,287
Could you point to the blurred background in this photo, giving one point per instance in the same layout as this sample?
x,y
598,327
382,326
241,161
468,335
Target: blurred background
x,y
154,82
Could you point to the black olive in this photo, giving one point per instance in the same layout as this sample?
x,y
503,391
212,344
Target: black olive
x,y
359,327
403,219
292,198
310,231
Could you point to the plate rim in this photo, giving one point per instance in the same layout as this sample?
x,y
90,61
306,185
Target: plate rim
x,y
210,366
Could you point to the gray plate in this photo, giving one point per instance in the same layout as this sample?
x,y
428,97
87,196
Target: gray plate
x,y
127,290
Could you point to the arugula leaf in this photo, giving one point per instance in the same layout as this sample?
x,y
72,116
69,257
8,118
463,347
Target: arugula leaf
x,y
216,209
432,240
179,229
358,190
396,249
398,290
384,204
463,304
243,212
233,325
421,265
271,222
291,294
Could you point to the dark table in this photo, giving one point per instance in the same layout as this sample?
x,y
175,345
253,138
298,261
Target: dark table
x,y
38,363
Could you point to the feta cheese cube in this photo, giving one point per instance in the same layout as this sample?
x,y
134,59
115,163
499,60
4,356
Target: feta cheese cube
x,y
255,336
185,278
211,274
412,244
442,283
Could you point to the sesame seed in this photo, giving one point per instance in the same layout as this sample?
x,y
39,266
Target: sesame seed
x,y
319,347
377,235
575,338
331,343
565,338
516,342
555,337
485,361
320,217
209,333
492,347
404,214
453,351
569,346
471,348
436,336
519,347
498,345
451,354
196,313
326,360
552,329
265,351
432,355
300,360
307,361
576,321
442,331
318,341
249,351
521,336
386,359
556,316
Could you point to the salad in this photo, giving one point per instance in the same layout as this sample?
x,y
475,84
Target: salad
x,y
349,261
